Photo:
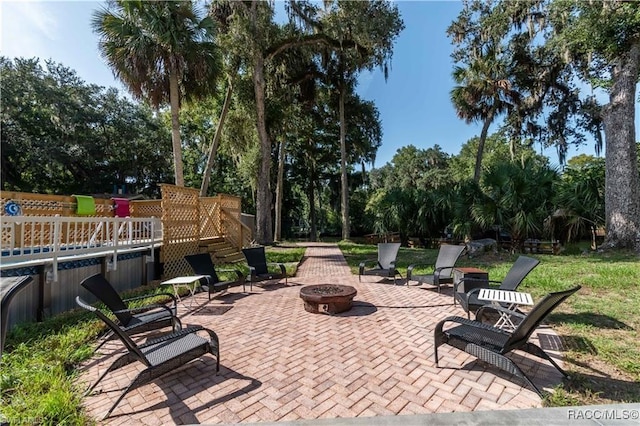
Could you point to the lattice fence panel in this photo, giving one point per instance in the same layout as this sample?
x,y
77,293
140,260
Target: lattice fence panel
x,y
145,208
230,203
51,205
39,204
210,217
31,204
180,226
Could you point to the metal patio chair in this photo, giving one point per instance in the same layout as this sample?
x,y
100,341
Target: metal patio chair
x,y
132,320
201,264
442,270
491,344
162,355
518,272
384,265
259,267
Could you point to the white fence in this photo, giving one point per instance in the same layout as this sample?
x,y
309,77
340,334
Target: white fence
x,y
48,240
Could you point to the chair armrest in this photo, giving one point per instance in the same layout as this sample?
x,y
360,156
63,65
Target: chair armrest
x,y
237,272
223,284
283,269
440,268
364,263
145,309
148,296
468,322
411,267
437,271
241,276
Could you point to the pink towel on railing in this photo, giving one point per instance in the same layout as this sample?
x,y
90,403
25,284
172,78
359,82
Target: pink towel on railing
x,y
121,207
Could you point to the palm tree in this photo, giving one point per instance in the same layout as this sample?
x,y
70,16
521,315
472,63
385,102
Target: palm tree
x,y
483,92
516,198
163,51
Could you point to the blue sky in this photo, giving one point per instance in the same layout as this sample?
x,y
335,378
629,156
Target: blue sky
x,y
414,102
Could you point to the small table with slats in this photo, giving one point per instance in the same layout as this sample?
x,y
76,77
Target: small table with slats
x,y
190,282
510,298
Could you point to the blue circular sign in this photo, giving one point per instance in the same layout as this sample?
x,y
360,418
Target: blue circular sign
x,y
12,208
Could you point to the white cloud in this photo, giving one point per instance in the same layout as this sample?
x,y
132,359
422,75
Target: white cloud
x,y
27,28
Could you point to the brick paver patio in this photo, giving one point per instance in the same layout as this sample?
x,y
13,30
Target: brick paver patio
x,y
279,362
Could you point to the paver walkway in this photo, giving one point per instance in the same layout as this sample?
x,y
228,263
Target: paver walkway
x,y
279,362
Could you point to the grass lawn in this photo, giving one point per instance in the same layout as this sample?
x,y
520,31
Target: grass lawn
x,y
598,325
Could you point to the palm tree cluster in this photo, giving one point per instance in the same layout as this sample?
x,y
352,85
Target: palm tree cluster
x,y
515,200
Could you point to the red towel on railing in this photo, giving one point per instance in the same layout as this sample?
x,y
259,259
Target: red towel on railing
x,y
121,207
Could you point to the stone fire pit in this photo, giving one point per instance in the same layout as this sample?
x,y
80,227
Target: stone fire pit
x,y
327,298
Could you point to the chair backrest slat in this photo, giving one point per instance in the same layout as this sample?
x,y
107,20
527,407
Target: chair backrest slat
x,y
518,272
104,291
387,253
201,264
537,314
257,258
124,337
447,256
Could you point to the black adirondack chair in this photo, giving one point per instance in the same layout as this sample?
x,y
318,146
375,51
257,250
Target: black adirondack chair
x,y
518,272
132,320
442,271
159,356
491,344
385,265
259,267
201,264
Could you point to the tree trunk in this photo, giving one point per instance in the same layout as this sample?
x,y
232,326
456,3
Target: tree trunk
x,y
174,99
622,184
264,234
481,141
280,191
343,167
313,231
206,177
311,192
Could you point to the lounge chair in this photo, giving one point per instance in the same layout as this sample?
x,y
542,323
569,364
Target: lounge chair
x,y
469,300
491,344
201,264
442,270
384,265
133,320
160,356
11,287
259,267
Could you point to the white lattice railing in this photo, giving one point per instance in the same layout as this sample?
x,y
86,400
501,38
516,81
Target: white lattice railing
x,y
33,240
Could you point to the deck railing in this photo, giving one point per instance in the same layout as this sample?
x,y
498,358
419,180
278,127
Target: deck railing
x,y
236,232
34,240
